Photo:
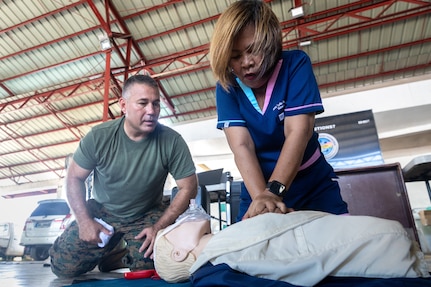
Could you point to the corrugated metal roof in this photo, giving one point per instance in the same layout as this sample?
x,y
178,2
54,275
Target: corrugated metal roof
x,y
52,76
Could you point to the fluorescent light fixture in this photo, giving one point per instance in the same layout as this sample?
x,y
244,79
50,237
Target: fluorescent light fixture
x,y
297,12
105,42
304,43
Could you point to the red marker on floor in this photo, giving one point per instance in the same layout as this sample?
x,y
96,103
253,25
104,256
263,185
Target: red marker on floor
x,y
141,274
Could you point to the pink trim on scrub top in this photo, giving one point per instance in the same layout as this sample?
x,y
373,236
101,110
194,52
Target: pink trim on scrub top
x,y
270,85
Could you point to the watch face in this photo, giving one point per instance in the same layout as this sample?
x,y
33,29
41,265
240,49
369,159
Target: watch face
x,y
282,187
276,187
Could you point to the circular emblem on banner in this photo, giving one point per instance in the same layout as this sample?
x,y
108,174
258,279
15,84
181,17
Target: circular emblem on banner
x,y
329,145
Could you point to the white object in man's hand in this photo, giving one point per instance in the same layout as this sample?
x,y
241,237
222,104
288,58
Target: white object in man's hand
x,y
104,237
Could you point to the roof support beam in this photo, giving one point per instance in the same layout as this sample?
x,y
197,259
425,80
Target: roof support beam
x,y
72,88
107,86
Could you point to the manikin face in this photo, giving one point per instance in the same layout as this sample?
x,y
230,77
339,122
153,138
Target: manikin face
x,y
187,236
244,64
178,246
141,109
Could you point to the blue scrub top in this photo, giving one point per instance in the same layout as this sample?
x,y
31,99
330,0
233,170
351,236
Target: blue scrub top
x,y
295,92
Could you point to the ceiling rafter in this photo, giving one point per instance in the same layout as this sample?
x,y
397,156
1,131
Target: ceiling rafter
x,y
53,112
87,83
286,44
11,175
10,132
367,23
131,42
292,23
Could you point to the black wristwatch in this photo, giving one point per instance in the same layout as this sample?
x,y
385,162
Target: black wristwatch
x,y
276,187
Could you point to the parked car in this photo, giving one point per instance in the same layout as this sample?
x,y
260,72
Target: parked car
x,y
44,225
9,241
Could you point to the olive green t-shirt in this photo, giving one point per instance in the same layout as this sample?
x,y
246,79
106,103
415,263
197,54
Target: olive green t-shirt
x,y
129,176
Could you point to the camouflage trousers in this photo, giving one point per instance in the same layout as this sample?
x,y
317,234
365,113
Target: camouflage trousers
x,y
70,256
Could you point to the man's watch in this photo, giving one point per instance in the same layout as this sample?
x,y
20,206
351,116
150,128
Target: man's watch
x,y
276,187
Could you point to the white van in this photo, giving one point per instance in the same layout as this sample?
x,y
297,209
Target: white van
x,y
44,225
9,241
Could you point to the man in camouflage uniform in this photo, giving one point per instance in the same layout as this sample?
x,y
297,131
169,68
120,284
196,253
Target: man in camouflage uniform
x,y
131,158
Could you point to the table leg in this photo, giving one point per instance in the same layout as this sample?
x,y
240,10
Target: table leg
x,y
427,183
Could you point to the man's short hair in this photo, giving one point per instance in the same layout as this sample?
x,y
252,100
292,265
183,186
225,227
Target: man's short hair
x,y
167,268
138,79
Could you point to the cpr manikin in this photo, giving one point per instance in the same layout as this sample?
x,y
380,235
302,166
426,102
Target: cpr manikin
x,y
301,247
177,246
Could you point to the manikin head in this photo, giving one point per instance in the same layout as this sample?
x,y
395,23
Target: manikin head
x,y
178,245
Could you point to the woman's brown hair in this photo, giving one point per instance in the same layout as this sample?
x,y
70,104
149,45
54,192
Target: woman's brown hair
x,y
267,39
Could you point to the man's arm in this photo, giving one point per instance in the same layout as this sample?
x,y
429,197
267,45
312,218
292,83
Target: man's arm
x,y
187,189
89,229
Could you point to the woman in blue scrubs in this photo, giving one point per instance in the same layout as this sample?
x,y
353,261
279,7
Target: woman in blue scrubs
x,y
267,100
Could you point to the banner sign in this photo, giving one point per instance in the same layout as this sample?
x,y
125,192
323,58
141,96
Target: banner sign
x,y
349,140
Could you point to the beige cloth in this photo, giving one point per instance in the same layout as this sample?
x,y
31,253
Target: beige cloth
x,y
303,247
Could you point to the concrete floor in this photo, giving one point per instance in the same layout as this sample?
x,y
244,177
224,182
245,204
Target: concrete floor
x,y
38,273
